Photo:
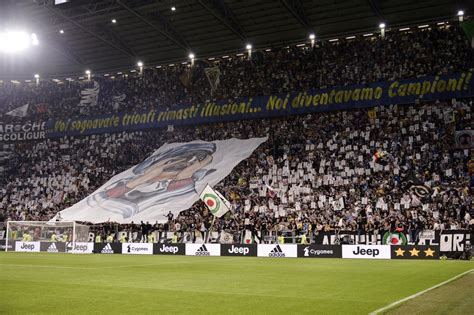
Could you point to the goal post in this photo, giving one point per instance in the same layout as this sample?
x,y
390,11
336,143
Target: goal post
x,y
46,231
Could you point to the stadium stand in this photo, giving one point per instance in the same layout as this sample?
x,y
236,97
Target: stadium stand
x,y
399,169
411,54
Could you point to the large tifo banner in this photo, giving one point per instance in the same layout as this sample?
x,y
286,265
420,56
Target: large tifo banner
x,y
335,98
171,179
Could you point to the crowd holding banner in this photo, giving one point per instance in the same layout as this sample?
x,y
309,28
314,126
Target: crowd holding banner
x,y
296,103
378,166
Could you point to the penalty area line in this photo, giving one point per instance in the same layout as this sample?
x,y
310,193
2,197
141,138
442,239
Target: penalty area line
x,y
389,306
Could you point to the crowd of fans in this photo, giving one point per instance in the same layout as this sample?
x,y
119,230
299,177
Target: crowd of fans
x,y
398,168
419,52
321,172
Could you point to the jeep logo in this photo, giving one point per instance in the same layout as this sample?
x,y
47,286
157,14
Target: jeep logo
x,y
238,250
27,246
169,249
81,248
366,252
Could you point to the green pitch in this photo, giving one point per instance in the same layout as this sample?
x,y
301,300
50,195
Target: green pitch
x,y
73,284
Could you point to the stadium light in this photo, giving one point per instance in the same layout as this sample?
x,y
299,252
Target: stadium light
x,y
61,31
192,56
34,39
37,77
140,66
88,72
382,29
249,50
312,38
461,15
173,9
248,47
114,21
16,41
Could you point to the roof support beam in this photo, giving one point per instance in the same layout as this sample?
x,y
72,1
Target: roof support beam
x,y
64,50
116,38
374,6
165,28
295,7
94,34
220,11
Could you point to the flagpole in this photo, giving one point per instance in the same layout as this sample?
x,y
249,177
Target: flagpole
x,y
210,229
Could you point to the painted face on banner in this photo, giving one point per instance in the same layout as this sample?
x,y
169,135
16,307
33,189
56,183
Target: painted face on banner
x,y
157,179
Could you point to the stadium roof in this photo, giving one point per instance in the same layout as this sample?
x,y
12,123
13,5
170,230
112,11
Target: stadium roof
x,y
150,31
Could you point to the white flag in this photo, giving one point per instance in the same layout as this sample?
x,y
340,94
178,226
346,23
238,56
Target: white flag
x,y
19,111
338,204
90,96
216,203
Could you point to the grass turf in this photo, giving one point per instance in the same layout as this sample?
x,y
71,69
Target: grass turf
x,y
66,283
456,297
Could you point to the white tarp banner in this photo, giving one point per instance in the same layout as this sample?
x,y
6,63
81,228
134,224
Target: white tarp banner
x,y
169,180
89,96
21,111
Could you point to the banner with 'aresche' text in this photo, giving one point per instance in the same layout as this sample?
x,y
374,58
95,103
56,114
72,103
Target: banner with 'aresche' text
x,y
336,98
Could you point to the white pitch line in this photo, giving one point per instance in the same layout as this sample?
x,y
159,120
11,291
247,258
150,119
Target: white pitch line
x,y
420,293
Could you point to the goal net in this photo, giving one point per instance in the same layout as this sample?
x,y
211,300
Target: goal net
x,y
33,231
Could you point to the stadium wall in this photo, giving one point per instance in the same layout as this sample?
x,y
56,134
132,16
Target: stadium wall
x,y
245,250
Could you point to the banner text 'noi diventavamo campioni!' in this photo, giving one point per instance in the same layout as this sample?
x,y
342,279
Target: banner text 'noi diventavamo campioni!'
x,y
330,99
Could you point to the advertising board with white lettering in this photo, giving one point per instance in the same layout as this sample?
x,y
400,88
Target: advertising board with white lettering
x,y
53,247
203,249
277,250
107,248
137,248
168,249
3,246
27,246
319,251
238,250
366,251
80,248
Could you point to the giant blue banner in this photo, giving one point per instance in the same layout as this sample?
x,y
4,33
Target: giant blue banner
x,y
295,103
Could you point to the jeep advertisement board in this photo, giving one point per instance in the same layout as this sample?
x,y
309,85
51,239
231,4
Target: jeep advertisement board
x,y
27,246
168,249
366,251
238,250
